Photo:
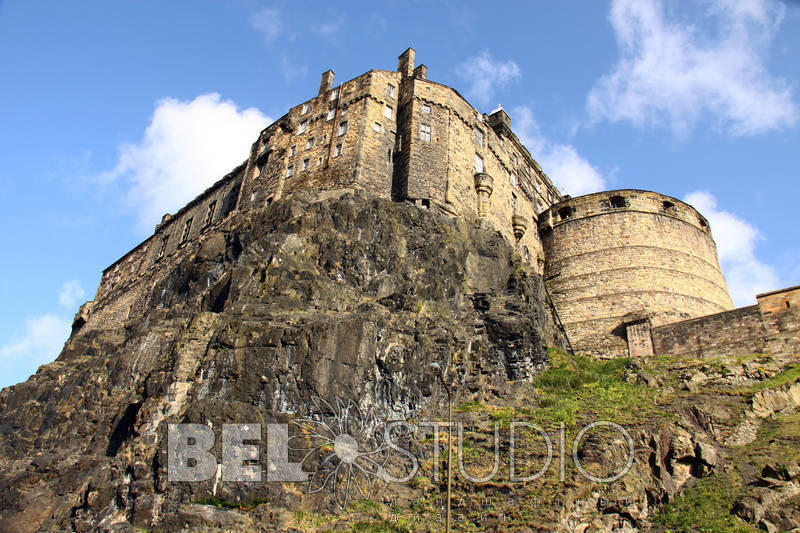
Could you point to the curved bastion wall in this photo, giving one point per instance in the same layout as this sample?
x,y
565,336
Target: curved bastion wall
x,y
615,256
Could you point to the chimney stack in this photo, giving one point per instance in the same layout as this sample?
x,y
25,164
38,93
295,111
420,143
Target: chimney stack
x,y
405,63
327,82
421,72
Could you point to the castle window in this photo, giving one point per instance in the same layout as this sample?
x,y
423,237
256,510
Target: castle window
x,y
186,229
292,151
334,94
310,143
387,111
565,212
290,171
617,202
210,213
479,163
302,128
331,113
305,164
389,156
788,305
478,136
426,108
513,179
305,109
667,205
516,160
163,247
342,128
319,162
390,90
338,151
425,132
377,127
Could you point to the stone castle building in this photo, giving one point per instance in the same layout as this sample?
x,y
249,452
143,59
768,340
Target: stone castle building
x,y
620,265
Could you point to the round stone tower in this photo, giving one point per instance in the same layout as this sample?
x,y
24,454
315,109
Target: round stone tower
x,y
618,257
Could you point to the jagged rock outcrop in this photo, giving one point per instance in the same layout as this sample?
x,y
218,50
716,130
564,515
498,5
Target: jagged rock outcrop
x,y
329,295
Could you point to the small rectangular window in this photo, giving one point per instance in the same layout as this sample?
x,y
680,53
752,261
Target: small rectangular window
x,y
389,156
342,128
305,109
390,90
478,137
292,151
163,247
479,163
387,111
334,94
187,227
513,179
319,162
426,108
310,143
210,213
305,164
302,128
377,127
338,150
516,160
425,132
331,113
290,171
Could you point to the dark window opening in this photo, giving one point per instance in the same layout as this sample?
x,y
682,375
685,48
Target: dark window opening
x,y
426,203
389,156
703,223
269,200
788,305
667,205
565,212
186,229
617,202
210,213
163,247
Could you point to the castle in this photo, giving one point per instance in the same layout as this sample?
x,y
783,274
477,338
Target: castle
x,y
629,272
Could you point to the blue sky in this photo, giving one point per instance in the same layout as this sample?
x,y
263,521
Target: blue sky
x,y
112,113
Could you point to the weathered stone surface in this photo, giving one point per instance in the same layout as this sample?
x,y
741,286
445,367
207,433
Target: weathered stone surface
x,y
346,297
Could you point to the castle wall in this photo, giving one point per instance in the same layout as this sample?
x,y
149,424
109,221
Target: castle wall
x,y
619,252
771,326
441,135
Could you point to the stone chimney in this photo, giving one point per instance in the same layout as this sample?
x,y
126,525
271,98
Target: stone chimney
x,y
405,63
421,72
500,122
327,82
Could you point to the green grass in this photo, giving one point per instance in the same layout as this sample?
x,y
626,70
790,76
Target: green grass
x,y
788,376
706,508
576,386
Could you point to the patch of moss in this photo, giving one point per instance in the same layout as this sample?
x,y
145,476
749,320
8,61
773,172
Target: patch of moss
x,y
706,507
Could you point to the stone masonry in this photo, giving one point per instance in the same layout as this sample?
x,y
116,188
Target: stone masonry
x,y
619,265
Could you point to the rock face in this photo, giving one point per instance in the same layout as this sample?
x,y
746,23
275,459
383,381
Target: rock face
x,y
328,295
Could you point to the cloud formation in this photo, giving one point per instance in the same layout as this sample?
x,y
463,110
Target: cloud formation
x,y
186,148
268,22
571,172
485,75
736,245
674,73
42,338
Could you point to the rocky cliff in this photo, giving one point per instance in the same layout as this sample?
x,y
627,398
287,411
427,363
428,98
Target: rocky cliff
x,y
331,296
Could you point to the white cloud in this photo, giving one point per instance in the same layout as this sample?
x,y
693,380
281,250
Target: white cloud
x,y
186,148
42,339
485,75
71,294
674,73
330,27
566,167
268,22
736,242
